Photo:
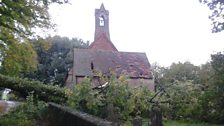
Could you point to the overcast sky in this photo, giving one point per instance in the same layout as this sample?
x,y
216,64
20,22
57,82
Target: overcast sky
x,y
167,30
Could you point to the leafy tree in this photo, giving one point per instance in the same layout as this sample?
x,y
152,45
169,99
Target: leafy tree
x,y
85,99
18,19
31,112
183,100
216,6
205,74
183,71
54,58
42,91
159,72
176,72
116,102
194,93
19,58
216,90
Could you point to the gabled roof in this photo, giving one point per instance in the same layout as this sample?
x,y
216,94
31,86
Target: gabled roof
x,y
132,64
103,43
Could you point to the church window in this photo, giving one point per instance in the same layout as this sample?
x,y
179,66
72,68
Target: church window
x,y
92,66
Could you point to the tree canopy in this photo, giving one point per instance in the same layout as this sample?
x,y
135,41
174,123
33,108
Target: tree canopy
x,y
19,58
19,18
54,55
18,22
216,6
176,72
194,92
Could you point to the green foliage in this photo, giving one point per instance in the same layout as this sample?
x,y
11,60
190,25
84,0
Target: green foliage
x,y
117,102
118,98
54,58
44,92
205,74
183,98
19,58
180,72
218,66
19,19
26,114
85,99
194,93
173,123
213,98
216,6
140,98
178,123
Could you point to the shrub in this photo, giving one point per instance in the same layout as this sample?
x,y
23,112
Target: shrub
x,y
44,92
26,114
85,99
183,99
117,102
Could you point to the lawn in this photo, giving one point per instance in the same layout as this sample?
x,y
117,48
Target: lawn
x,y
176,123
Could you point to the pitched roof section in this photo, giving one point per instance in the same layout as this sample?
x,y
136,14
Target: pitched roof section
x,y
103,43
133,64
102,7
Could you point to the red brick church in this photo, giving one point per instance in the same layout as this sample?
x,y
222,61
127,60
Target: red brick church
x,y
103,56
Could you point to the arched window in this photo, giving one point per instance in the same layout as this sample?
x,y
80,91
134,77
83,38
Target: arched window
x,y
101,21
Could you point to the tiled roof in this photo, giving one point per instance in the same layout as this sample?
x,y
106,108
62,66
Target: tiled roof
x,y
102,43
133,64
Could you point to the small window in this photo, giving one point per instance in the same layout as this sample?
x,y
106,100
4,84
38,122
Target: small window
x,y
101,21
92,66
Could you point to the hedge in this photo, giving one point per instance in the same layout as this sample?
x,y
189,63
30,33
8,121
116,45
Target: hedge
x,y
42,91
65,116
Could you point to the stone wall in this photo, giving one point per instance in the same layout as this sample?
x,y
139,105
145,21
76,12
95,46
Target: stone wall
x,y
132,82
65,116
149,83
6,106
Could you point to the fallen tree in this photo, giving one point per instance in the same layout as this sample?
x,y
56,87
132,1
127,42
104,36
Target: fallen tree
x,y
40,90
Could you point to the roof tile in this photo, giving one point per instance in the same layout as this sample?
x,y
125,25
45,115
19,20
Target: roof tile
x,y
133,64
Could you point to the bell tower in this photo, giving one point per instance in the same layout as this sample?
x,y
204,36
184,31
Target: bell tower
x,y
101,22
102,35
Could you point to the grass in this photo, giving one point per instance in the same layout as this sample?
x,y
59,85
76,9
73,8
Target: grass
x,y
178,123
175,123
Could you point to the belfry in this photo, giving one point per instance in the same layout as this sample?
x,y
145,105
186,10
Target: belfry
x,y
102,34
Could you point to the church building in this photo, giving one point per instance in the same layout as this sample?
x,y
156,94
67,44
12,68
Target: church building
x,y
102,56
